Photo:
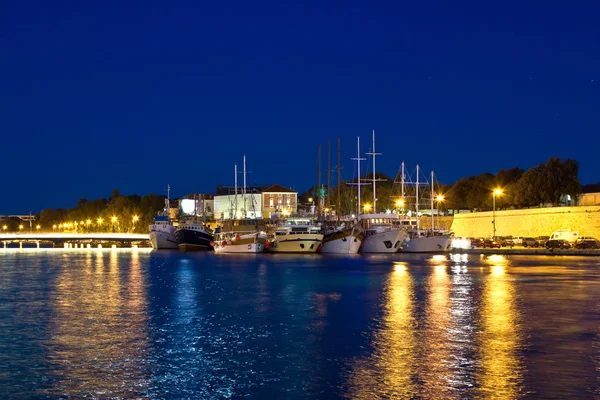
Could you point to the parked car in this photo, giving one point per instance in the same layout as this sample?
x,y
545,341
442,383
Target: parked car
x,y
491,243
530,242
582,238
475,242
542,240
506,241
558,244
588,244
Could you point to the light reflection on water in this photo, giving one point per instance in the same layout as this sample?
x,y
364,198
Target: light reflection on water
x,y
123,324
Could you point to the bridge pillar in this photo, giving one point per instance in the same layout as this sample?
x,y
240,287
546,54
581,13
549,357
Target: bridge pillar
x,y
38,244
99,246
89,246
4,244
66,245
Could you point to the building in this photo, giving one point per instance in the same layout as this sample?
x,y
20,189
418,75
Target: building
x,y
257,203
197,204
279,199
589,199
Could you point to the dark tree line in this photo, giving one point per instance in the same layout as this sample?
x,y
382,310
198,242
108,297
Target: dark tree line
x,y
546,183
132,213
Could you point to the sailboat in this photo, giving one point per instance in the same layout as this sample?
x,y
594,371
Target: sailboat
x,y
382,232
162,230
426,241
343,237
241,235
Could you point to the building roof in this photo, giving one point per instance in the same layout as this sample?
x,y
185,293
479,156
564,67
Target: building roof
x,y
278,189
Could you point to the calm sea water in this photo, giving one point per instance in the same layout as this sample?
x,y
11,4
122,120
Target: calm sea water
x,y
141,324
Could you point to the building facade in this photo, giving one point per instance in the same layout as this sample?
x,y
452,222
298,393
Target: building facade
x,y
278,200
267,203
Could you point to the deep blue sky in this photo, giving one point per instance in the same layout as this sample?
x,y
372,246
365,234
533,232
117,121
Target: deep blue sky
x,y
98,95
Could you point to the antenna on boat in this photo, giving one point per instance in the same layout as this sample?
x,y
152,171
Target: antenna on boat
x,y
402,180
328,171
319,180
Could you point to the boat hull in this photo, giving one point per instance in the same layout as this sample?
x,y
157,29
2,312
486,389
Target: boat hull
x,y
192,240
163,238
429,244
308,243
384,242
245,244
342,242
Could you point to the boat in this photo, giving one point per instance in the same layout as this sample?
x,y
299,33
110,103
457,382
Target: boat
x,y
241,235
162,230
193,235
296,235
382,232
245,235
426,241
342,239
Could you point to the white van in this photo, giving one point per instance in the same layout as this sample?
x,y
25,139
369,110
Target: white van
x,y
565,234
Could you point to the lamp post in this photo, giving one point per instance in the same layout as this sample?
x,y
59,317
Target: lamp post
x,y
496,192
113,220
366,208
135,219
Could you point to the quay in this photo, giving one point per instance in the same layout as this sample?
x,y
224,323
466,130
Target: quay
x,y
530,251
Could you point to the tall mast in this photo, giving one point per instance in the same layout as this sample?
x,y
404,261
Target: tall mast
x,y
319,180
402,180
432,221
328,172
417,198
373,153
235,183
339,200
244,191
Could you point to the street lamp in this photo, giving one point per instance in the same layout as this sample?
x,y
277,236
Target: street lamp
x,y
496,192
54,227
21,227
38,227
367,208
113,220
4,227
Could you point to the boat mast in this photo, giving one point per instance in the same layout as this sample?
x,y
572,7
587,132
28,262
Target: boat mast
x,y
432,221
318,180
328,172
235,183
373,153
402,180
339,201
417,199
244,191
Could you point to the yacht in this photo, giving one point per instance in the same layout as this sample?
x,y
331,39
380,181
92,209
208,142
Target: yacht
x,y
342,239
162,231
296,235
382,233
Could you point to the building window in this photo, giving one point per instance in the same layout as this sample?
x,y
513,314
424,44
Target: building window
x,y
271,202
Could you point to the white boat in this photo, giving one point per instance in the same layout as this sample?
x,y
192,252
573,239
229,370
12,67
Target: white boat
x,y
342,240
382,233
240,235
162,231
296,235
426,241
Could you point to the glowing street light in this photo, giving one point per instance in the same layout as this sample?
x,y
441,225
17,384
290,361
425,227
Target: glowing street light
x,y
21,227
439,198
400,203
99,220
113,220
4,227
54,227
496,192
38,227
135,219
367,207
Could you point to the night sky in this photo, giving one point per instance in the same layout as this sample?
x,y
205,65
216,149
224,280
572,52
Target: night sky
x,y
137,95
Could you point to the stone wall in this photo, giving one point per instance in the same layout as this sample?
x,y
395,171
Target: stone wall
x,y
529,222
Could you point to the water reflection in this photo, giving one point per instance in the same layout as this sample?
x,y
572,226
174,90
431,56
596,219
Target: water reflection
x,y
500,374
99,335
436,336
388,372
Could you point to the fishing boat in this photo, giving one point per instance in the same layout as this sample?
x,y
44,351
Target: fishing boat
x,y
162,230
426,241
241,235
193,235
296,235
382,232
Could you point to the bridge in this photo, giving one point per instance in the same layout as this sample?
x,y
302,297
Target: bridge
x,y
70,239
